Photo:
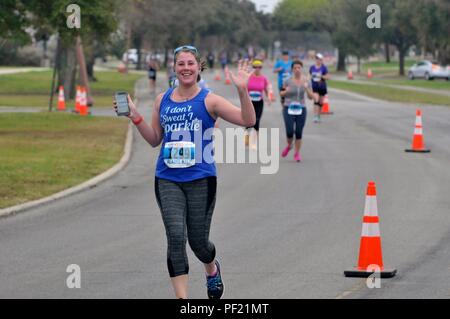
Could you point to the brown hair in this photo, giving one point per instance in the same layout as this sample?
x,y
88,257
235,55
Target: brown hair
x,y
198,58
296,62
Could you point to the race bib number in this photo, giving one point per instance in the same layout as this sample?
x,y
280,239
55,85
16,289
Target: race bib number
x,y
295,108
179,154
286,75
317,77
255,96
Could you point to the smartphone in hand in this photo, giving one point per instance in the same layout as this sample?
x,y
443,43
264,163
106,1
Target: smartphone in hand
x,y
123,109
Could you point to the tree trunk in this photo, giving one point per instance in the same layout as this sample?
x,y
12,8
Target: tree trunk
x,y
341,61
387,53
401,58
166,57
90,70
67,69
138,43
83,72
358,59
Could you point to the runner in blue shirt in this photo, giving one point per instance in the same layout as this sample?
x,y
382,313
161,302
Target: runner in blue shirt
x,y
283,68
182,123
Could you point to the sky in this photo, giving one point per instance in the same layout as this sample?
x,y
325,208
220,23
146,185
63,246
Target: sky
x,y
265,5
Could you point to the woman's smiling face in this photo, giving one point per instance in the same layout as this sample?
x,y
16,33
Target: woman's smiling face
x,y
187,68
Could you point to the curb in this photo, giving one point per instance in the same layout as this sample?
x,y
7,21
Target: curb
x,y
93,182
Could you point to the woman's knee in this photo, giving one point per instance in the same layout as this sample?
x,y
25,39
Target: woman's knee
x,y
204,250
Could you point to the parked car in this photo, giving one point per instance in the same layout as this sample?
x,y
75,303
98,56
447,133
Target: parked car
x,y
429,70
132,56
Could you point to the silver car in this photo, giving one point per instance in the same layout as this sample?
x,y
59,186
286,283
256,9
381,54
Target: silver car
x,y
429,70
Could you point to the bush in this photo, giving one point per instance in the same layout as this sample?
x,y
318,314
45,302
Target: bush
x,y
12,54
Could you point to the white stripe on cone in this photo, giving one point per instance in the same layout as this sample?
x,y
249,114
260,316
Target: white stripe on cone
x,y
371,208
370,230
418,131
418,120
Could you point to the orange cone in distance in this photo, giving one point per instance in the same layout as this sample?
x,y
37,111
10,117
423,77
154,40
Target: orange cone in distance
x,y
77,100
350,75
227,76
325,106
370,253
61,100
369,73
217,76
270,93
418,145
83,102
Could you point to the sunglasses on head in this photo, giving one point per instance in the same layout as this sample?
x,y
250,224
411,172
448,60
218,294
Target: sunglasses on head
x,y
185,47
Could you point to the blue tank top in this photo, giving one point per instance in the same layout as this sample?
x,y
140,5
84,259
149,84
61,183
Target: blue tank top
x,y
187,150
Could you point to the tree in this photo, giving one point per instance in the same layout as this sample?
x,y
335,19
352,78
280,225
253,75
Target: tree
x,y
322,15
398,27
357,38
432,21
96,19
13,20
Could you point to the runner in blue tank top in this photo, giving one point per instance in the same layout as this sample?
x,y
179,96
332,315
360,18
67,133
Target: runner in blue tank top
x,y
182,123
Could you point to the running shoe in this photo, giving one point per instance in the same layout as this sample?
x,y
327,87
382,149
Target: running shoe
x,y
286,151
297,157
215,284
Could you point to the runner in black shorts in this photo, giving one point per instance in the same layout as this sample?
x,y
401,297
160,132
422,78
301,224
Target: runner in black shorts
x,y
152,70
319,75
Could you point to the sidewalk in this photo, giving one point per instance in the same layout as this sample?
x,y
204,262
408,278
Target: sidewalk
x,y
22,70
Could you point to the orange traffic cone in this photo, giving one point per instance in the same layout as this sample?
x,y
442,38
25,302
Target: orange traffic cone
x,y
83,102
77,100
370,254
227,76
217,76
270,93
61,100
369,73
325,106
418,145
350,75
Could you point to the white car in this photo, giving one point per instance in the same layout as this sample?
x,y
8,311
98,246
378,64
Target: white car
x,y
429,70
132,56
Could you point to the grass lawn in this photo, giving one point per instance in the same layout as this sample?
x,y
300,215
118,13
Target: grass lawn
x,y
32,88
391,94
43,153
383,67
437,84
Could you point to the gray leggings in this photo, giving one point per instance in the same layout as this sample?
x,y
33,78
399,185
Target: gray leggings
x,y
187,209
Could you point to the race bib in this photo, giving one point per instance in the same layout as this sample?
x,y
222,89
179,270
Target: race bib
x,y
286,75
295,108
317,77
255,96
179,154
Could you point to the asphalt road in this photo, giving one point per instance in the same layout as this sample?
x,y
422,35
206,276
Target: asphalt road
x,y
284,235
